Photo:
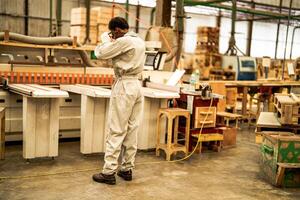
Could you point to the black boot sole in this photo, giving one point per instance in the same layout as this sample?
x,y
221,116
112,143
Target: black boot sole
x,y
109,182
124,177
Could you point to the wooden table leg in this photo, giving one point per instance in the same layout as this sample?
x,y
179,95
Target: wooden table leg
x,y
244,101
280,175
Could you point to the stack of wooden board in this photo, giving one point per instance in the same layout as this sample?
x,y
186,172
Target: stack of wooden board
x,y
207,51
104,15
78,24
287,108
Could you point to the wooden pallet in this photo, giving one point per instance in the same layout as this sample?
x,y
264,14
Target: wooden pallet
x,y
287,108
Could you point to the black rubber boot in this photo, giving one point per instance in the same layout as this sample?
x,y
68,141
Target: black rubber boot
x,y
126,175
103,178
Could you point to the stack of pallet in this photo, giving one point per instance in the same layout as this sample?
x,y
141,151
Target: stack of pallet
x,y
207,51
287,108
78,25
104,14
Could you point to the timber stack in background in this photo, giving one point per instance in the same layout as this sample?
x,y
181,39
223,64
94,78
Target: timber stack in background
x,y
99,19
207,54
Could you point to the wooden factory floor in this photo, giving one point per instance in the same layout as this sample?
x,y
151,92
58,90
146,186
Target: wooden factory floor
x,y
230,174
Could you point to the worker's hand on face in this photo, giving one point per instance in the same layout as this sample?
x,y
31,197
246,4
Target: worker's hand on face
x,y
105,37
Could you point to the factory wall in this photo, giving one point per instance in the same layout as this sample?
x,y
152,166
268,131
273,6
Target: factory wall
x,y
263,41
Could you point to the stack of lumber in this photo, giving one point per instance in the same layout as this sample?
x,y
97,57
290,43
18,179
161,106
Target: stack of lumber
x,y
99,19
78,25
287,108
207,51
104,15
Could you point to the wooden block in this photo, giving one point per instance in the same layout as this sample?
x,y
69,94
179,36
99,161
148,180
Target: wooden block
x,y
229,136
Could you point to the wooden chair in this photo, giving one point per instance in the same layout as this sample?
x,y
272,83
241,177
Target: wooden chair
x,y
170,147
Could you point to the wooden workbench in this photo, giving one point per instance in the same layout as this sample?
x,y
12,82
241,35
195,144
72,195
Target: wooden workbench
x,y
40,119
267,121
94,111
245,85
153,100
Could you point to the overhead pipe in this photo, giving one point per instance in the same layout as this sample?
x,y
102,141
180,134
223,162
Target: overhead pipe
x,y
49,41
292,43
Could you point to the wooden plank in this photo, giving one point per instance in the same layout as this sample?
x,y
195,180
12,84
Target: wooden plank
x,y
37,91
210,137
29,131
53,127
92,91
280,175
287,114
159,94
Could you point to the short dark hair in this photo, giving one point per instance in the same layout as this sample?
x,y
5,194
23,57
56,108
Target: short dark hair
x,y
118,22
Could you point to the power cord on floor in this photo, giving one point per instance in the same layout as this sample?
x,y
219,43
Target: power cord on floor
x,y
98,168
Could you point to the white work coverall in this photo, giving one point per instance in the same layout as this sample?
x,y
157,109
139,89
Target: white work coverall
x,y
125,109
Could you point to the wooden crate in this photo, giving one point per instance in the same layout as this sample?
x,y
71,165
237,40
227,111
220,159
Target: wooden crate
x,y
287,108
277,148
80,33
200,116
78,16
229,135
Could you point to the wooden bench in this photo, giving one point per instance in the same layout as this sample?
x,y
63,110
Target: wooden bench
x,y
281,170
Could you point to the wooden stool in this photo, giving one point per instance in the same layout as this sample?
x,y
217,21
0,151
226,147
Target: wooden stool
x,y
2,133
229,116
170,148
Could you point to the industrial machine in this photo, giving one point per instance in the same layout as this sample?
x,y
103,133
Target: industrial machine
x,y
154,59
245,67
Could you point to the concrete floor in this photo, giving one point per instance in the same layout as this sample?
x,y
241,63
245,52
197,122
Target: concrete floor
x,y
230,174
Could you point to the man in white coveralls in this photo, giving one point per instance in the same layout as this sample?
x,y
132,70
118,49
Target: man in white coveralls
x,y
127,52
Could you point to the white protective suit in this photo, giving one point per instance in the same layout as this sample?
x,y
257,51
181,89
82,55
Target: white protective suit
x,y
125,109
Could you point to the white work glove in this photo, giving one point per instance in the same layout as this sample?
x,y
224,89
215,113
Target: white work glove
x,y
105,37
